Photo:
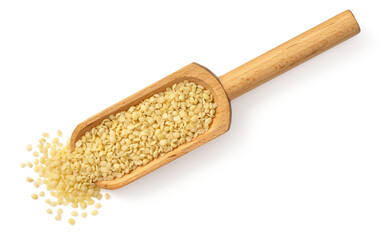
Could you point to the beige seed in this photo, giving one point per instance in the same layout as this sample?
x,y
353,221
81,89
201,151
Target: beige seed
x,y
49,211
94,212
29,147
84,214
29,164
107,196
46,135
163,142
90,202
145,161
74,213
23,165
83,205
29,179
34,196
71,221
42,194
99,196
161,100
36,154
58,217
194,118
59,133
98,205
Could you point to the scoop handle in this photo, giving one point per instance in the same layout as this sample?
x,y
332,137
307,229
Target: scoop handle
x,y
289,54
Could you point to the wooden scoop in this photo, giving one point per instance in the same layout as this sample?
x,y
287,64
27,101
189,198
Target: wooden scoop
x,y
227,87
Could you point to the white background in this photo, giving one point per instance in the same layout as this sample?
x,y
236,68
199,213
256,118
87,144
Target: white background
x,y
303,158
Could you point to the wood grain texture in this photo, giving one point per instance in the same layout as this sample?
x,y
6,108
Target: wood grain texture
x,y
289,54
193,72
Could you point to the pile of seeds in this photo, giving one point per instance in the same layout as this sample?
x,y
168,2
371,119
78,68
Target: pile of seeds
x,y
119,145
